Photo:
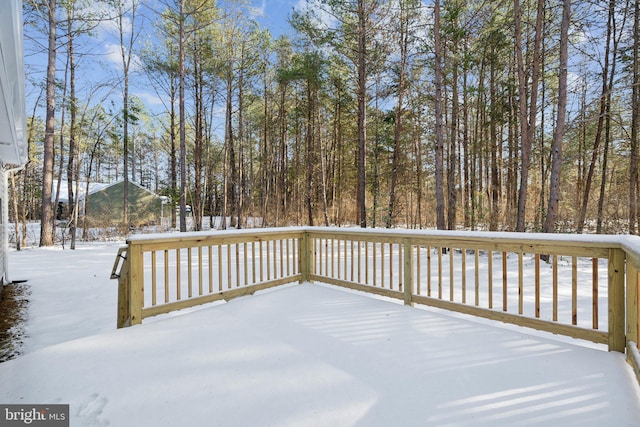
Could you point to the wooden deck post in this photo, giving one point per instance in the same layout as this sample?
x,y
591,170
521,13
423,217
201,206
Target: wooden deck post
x,y
306,257
124,315
136,283
408,272
632,302
617,339
120,271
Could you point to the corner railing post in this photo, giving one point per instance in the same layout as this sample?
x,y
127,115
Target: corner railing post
x,y
306,257
136,283
632,302
408,272
617,339
124,315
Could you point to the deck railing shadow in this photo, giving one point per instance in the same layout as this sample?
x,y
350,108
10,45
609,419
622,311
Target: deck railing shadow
x,y
588,288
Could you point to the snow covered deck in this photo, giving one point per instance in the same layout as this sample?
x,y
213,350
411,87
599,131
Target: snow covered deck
x,y
315,355
296,355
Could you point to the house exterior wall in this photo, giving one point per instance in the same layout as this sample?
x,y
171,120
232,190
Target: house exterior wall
x,y
4,238
13,145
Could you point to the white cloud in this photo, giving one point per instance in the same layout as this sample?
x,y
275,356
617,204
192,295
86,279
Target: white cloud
x,y
151,100
113,55
258,11
324,18
109,24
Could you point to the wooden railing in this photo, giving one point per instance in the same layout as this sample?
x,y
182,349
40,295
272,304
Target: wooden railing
x,y
163,273
576,285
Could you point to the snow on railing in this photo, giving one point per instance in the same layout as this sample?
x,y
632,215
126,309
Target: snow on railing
x,y
168,272
582,286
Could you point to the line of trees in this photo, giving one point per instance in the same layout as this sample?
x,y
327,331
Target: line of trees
x,y
517,115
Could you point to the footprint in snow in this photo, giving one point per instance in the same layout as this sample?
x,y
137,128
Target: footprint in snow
x,y
90,411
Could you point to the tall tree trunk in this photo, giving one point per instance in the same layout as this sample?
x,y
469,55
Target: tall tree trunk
x,y
376,155
126,54
46,235
16,213
281,192
607,123
125,132
494,149
635,122
556,148
419,165
453,141
240,174
173,173
268,180
323,161
439,155
57,208
527,121
362,112
309,157
604,96
230,158
467,188
404,44
72,128
198,206
181,120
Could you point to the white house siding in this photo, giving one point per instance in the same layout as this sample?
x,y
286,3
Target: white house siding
x,y
4,238
13,147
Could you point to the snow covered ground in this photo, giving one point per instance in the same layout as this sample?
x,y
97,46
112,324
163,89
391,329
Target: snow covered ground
x,y
299,355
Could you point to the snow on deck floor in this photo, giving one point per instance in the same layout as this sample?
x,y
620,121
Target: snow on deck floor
x,y
314,355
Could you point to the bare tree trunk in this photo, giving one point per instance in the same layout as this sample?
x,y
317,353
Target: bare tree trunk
x,y
198,205
404,43
376,155
556,148
527,126
72,129
61,134
240,174
604,96
419,163
635,122
229,181
126,54
439,160
267,179
309,157
172,156
16,216
46,235
281,193
494,147
452,161
182,125
467,187
362,113
323,166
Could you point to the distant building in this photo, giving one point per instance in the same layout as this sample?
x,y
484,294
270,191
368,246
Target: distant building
x,y
63,211
13,143
105,205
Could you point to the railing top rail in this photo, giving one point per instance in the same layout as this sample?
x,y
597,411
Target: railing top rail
x,y
599,240
248,233
630,244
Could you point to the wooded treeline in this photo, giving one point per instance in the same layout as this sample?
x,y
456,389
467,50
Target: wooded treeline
x,y
516,115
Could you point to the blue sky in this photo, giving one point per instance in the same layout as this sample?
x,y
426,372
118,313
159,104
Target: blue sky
x,y
274,14
104,62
